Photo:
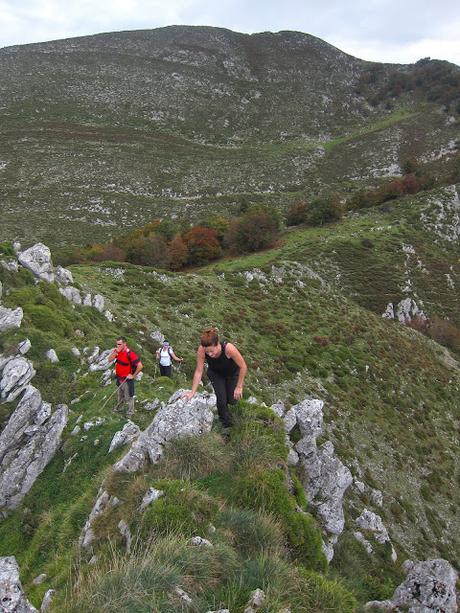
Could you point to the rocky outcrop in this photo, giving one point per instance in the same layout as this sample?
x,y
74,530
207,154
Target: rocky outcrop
x,y
12,597
15,374
10,318
325,477
63,276
27,443
103,501
372,523
37,259
429,587
175,420
404,311
129,433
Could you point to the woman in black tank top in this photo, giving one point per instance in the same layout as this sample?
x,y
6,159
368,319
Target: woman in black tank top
x,y
226,371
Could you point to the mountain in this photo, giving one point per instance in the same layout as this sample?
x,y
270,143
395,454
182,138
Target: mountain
x,y
336,489
106,132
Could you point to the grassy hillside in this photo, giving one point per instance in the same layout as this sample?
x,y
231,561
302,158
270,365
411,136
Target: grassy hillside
x,y
106,132
307,316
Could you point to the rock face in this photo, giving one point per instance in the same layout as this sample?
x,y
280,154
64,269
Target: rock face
x,y
326,478
175,420
63,276
103,501
10,318
15,375
129,433
12,597
27,443
37,259
429,587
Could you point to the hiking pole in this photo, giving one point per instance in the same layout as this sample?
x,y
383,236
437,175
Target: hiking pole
x,y
113,393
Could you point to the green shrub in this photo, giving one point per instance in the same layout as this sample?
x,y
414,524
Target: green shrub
x,y
182,510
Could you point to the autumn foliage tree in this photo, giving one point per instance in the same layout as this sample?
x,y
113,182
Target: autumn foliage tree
x,y
202,245
256,229
178,253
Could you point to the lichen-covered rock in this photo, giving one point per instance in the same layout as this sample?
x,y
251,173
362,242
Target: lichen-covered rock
x,y
37,259
15,375
10,318
256,601
98,303
27,443
429,588
199,541
12,597
177,419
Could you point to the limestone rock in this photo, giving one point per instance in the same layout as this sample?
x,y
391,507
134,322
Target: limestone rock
x,y
150,496
15,375
99,361
429,587
24,346
27,444
37,259
10,265
39,579
256,601
129,433
103,501
51,355
198,541
279,408
98,303
63,276
176,419
157,336
71,293
12,597
125,533
326,478
46,602
10,318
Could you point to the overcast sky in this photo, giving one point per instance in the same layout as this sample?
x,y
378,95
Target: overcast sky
x,y
400,31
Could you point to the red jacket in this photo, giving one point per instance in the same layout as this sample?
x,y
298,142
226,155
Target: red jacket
x,y
125,363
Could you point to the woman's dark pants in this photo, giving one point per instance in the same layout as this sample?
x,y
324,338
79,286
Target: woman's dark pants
x,y
224,388
165,371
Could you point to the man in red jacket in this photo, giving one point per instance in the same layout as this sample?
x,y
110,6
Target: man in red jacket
x,y
127,367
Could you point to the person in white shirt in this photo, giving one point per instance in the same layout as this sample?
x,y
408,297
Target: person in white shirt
x,y
165,355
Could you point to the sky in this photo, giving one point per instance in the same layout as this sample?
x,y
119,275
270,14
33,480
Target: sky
x,y
400,31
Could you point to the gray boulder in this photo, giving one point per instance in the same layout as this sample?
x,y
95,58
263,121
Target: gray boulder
x,y
27,444
51,355
129,433
12,597
37,259
325,477
98,303
10,318
150,496
429,588
24,346
71,293
63,276
10,265
177,419
15,375
46,602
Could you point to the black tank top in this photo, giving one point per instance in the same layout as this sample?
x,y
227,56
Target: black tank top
x,y
222,365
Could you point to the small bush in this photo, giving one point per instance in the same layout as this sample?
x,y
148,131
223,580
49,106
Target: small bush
x,y
193,457
324,209
256,229
251,532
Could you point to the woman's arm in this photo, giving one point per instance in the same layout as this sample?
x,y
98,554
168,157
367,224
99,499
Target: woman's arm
x,y
198,373
232,352
174,357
